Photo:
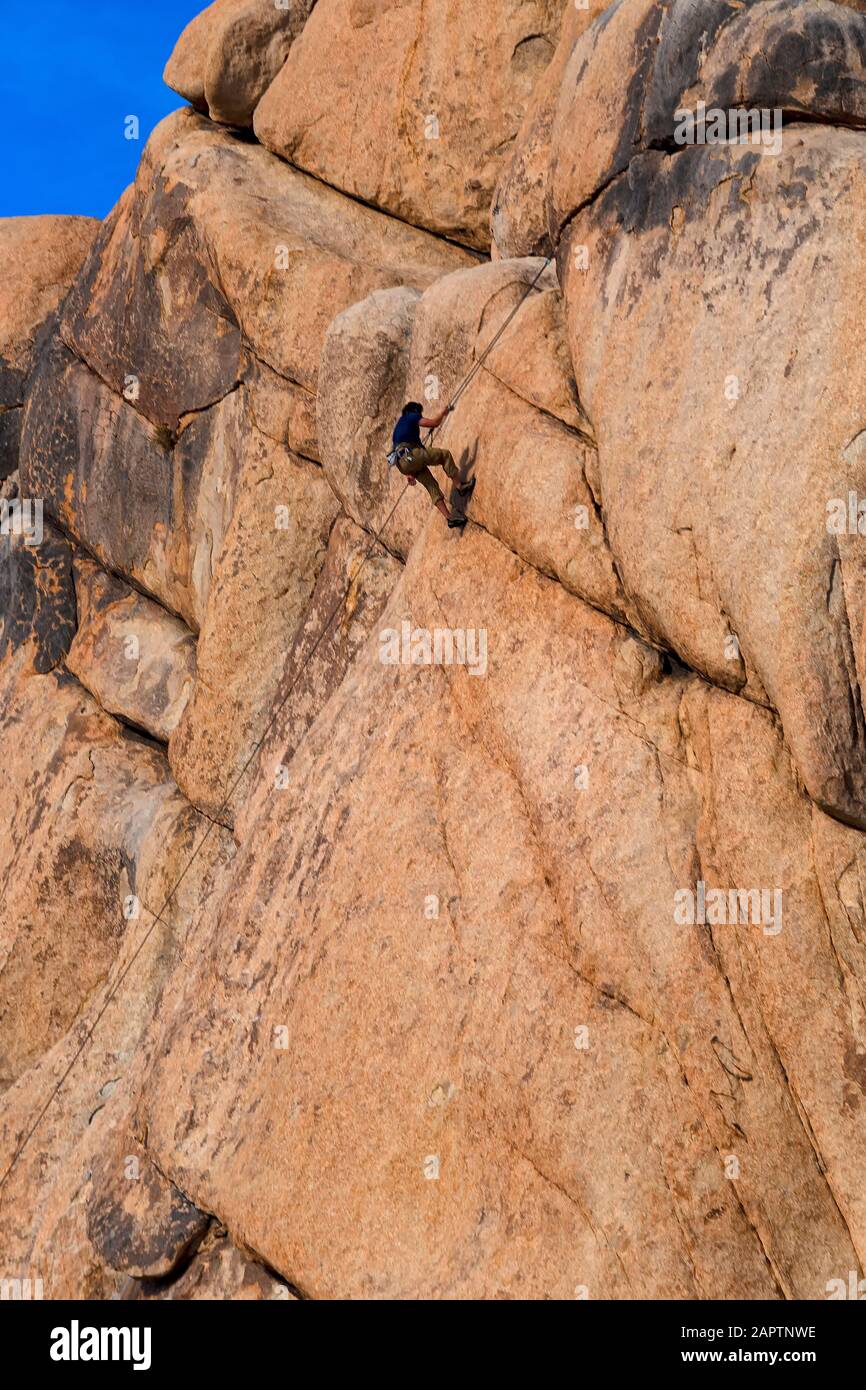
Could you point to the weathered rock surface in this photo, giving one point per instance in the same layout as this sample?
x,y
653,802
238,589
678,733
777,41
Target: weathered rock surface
x,y
137,660
128,391
722,538
521,409
501,923
10,435
364,384
218,1271
266,571
411,106
138,1222
518,216
78,439
520,429
352,587
93,823
40,256
54,1172
480,981
227,57
806,57
221,242
37,593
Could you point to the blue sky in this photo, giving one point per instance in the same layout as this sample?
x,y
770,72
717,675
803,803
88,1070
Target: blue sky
x,y
72,71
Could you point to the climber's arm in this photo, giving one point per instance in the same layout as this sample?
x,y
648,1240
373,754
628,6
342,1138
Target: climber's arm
x,y
435,421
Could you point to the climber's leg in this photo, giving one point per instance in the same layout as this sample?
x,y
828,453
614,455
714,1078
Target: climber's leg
x,y
463,489
415,466
444,459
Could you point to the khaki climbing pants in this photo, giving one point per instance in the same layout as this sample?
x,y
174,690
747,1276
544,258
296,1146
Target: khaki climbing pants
x,y
419,463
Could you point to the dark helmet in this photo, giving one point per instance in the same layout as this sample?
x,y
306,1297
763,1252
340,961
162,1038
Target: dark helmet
x,y
413,408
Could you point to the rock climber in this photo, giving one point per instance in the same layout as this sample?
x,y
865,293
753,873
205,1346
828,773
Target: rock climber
x,y
415,460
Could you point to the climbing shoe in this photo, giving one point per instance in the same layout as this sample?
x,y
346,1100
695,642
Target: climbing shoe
x,y
457,521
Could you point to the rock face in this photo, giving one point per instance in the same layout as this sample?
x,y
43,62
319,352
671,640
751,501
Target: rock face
x,y
227,57
139,1223
137,660
41,256
448,915
705,540
93,824
805,58
37,594
218,1271
518,216
271,556
431,96
513,968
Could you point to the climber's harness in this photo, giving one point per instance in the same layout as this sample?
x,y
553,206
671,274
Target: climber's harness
x,y
397,455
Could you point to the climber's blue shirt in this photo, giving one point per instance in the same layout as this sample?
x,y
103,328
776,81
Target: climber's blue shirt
x,y
408,430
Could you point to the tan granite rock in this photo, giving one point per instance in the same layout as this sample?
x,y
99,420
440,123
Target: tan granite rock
x,y
727,539
219,242
102,865
411,106
519,427
807,56
138,1223
227,56
518,215
364,384
218,1271
48,1170
351,589
40,257
135,659
583,1091
92,821
265,574
161,529
532,965
128,389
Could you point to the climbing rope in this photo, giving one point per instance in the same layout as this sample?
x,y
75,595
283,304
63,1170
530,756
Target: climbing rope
x,y
492,344
157,916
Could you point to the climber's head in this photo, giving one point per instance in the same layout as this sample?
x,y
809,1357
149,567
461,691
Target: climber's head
x,y
413,408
